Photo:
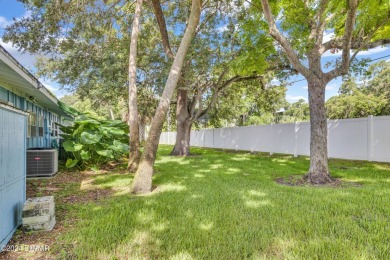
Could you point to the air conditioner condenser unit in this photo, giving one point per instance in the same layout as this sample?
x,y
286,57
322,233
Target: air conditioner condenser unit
x,y
42,162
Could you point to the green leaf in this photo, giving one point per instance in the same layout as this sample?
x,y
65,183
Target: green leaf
x,y
88,121
79,130
95,168
66,129
65,136
70,163
111,130
119,147
85,155
106,153
68,146
78,147
89,138
71,146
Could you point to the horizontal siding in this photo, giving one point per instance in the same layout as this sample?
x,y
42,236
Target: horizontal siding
x,y
49,117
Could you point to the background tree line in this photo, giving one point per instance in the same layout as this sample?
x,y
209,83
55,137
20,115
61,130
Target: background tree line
x,y
243,105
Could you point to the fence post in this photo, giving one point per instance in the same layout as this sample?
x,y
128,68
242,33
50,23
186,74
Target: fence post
x,y
295,139
213,137
369,137
272,140
204,138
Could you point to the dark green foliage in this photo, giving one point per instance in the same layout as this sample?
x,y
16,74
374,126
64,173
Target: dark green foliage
x,y
296,112
370,96
90,142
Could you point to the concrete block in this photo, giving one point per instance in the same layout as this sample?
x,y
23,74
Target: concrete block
x,y
39,213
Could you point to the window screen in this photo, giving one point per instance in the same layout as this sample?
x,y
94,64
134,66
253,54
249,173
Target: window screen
x,y
32,125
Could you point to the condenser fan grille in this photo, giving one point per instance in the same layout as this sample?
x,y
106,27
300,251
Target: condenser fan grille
x,y
42,163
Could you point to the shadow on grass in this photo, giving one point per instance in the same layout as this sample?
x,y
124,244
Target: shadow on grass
x,y
227,206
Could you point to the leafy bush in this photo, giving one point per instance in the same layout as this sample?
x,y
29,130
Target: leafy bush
x,y
90,141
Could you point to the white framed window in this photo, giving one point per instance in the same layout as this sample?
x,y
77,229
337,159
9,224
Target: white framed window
x,y
40,125
32,125
54,129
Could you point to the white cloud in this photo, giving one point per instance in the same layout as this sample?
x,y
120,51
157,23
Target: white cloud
x,y
4,22
53,87
331,87
328,37
373,51
275,81
26,59
369,52
292,99
305,87
48,84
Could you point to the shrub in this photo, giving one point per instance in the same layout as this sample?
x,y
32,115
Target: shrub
x,y
91,142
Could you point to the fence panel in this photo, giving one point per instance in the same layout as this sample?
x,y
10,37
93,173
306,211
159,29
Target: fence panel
x,y
356,139
347,139
302,133
380,139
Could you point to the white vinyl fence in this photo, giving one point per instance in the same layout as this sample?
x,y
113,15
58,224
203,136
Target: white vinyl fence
x,y
355,139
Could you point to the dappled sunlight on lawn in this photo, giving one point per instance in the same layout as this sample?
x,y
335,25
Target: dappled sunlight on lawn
x,y
254,204
206,225
255,193
197,175
220,205
119,183
240,159
171,187
255,199
182,256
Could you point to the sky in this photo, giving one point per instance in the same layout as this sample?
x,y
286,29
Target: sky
x,y
10,9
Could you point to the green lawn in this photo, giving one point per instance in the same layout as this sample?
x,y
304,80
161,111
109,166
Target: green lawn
x,y
220,205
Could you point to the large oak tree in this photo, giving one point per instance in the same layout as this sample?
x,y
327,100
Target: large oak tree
x,y
142,182
357,25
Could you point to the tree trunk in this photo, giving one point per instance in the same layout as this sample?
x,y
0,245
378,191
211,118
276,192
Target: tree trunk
x,y
112,114
182,145
142,182
318,171
135,153
183,137
142,132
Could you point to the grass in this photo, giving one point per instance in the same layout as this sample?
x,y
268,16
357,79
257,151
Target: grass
x,y
222,205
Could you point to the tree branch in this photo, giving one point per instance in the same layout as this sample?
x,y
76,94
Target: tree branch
x,y
349,24
221,88
275,33
322,22
200,27
163,28
356,44
366,41
346,43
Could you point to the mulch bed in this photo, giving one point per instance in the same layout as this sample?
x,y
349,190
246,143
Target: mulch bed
x,y
299,181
